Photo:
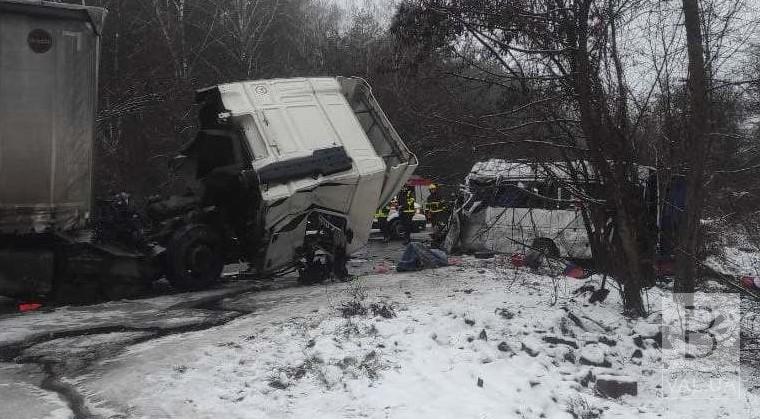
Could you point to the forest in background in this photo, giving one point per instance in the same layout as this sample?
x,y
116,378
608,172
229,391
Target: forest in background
x,y
156,53
616,83
446,101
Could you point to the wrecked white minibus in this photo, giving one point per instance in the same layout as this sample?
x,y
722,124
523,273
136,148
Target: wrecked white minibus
x,y
517,206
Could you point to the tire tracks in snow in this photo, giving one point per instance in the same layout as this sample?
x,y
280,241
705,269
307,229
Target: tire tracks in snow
x,y
56,370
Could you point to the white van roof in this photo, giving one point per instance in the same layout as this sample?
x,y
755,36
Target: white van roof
x,y
525,171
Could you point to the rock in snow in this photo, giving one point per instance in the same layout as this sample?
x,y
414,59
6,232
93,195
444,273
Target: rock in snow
x,y
593,355
615,386
559,340
531,347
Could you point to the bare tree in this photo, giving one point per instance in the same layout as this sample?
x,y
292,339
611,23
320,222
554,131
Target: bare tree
x,y
570,50
695,130
245,24
696,158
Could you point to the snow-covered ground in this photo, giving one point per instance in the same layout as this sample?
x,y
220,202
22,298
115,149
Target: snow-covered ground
x,y
734,252
479,340
22,396
458,342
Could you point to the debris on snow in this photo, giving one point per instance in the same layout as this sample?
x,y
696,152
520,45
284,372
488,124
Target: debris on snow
x,y
504,347
504,313
383,310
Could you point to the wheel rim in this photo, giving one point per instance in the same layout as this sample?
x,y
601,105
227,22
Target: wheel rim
x,y
201,259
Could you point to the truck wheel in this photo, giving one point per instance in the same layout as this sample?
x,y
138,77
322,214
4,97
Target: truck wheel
x,y
194,258
312,273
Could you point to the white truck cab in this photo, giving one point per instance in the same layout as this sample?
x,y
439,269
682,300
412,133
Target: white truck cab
x,y
319,155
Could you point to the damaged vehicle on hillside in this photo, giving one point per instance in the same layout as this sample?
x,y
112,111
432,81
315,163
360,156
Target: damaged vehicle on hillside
x,y
284,174
529,207
518,206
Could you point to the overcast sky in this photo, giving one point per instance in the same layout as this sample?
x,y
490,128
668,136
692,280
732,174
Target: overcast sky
x,y
383,9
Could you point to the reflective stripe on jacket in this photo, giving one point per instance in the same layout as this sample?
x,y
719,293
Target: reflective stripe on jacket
x,y
409,208
435,206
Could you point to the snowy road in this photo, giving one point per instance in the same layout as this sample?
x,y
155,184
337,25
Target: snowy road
x,y
39,347
478,340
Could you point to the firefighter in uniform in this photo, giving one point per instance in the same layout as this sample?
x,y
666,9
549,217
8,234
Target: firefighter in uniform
x,y
406,211
435,207
382,222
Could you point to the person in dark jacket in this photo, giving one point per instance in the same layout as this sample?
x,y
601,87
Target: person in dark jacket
x,y
382,222
436,207
406,211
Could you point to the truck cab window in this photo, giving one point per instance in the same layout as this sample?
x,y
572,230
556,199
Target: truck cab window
x,y
213,151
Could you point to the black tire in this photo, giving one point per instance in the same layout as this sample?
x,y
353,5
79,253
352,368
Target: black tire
x,y
194,258
312,274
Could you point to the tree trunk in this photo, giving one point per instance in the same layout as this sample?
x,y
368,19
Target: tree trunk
x,y
631,268
608,150
689,234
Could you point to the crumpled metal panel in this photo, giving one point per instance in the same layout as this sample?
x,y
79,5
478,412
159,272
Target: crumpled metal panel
x,y
48,82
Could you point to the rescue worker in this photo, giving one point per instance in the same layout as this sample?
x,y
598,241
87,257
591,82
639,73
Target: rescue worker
x,y
406,212
382,222
435,207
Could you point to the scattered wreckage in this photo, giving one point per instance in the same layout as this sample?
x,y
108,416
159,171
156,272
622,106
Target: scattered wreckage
x,y
283,174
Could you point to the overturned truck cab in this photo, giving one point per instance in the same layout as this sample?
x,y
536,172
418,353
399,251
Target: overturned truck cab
x,y
284,174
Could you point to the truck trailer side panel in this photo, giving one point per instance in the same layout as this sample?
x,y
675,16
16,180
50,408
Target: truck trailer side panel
x,y
48,82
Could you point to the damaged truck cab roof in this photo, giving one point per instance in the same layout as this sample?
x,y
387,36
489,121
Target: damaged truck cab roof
x,y
317,144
